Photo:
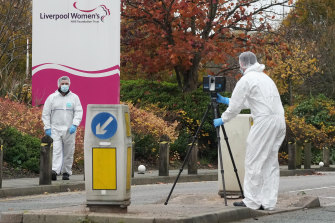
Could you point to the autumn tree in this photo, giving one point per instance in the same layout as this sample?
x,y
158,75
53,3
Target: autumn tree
x,y
15,28
314,21
183,36
290,65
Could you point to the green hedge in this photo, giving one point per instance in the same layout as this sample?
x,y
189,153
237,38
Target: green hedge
x,y
168,96
21,151
146,147
316,111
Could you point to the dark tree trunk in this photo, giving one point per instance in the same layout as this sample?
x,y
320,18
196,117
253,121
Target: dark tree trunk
x,y
190,76
190,80
177,70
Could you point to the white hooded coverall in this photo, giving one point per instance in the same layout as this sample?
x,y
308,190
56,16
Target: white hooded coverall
x,y
257,91
59,113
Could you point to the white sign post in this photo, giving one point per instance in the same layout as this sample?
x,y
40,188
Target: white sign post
x,y
79,39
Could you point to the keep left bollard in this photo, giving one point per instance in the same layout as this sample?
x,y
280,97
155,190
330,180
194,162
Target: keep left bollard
x,y
46,160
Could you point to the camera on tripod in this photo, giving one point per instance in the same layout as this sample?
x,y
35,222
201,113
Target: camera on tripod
x,y
214,84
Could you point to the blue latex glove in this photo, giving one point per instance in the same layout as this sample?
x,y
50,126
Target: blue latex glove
x,y
73,129
48,132
221,99
217,122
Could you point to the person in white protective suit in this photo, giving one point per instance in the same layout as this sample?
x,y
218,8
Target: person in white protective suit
x,y
62,114
256,91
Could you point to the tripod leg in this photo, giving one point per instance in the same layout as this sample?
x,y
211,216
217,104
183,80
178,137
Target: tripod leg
x,y
188,153
231,156
215,106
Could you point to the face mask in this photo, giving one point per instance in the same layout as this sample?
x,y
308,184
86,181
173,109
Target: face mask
x,y
64,88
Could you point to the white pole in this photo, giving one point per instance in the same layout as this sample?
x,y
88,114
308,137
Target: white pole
x,y
27,60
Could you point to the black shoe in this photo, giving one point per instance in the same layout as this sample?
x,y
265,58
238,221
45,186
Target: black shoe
x,y
53,175
239,204
66,176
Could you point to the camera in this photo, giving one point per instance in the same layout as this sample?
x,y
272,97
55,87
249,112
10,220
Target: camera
x,y
214,84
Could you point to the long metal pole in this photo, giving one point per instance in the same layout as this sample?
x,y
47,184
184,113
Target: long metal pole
x,y
215,108
27,60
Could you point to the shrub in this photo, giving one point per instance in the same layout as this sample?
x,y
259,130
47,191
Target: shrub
x,y
315,117
171,104
22,117
146,147
317,156
147,129
149,92
179,148
21,150
28,120
304,132
147,123
318,111
78,157
313,120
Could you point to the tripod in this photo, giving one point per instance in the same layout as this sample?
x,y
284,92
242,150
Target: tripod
x,y
214,105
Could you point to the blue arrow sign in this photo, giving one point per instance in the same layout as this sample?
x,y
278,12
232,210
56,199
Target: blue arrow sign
x,y
104,125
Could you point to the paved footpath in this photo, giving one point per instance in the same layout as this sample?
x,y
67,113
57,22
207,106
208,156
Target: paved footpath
x,y
186,208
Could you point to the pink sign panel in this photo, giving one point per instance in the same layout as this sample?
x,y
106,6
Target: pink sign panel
x,y
91,90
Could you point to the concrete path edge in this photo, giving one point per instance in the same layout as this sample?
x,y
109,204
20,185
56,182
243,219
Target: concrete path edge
x,y
228,215
80,185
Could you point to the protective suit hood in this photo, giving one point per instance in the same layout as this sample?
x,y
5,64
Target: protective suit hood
x,y
255,67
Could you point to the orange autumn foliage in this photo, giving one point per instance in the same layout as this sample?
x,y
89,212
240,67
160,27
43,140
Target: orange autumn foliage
x,y
27,120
